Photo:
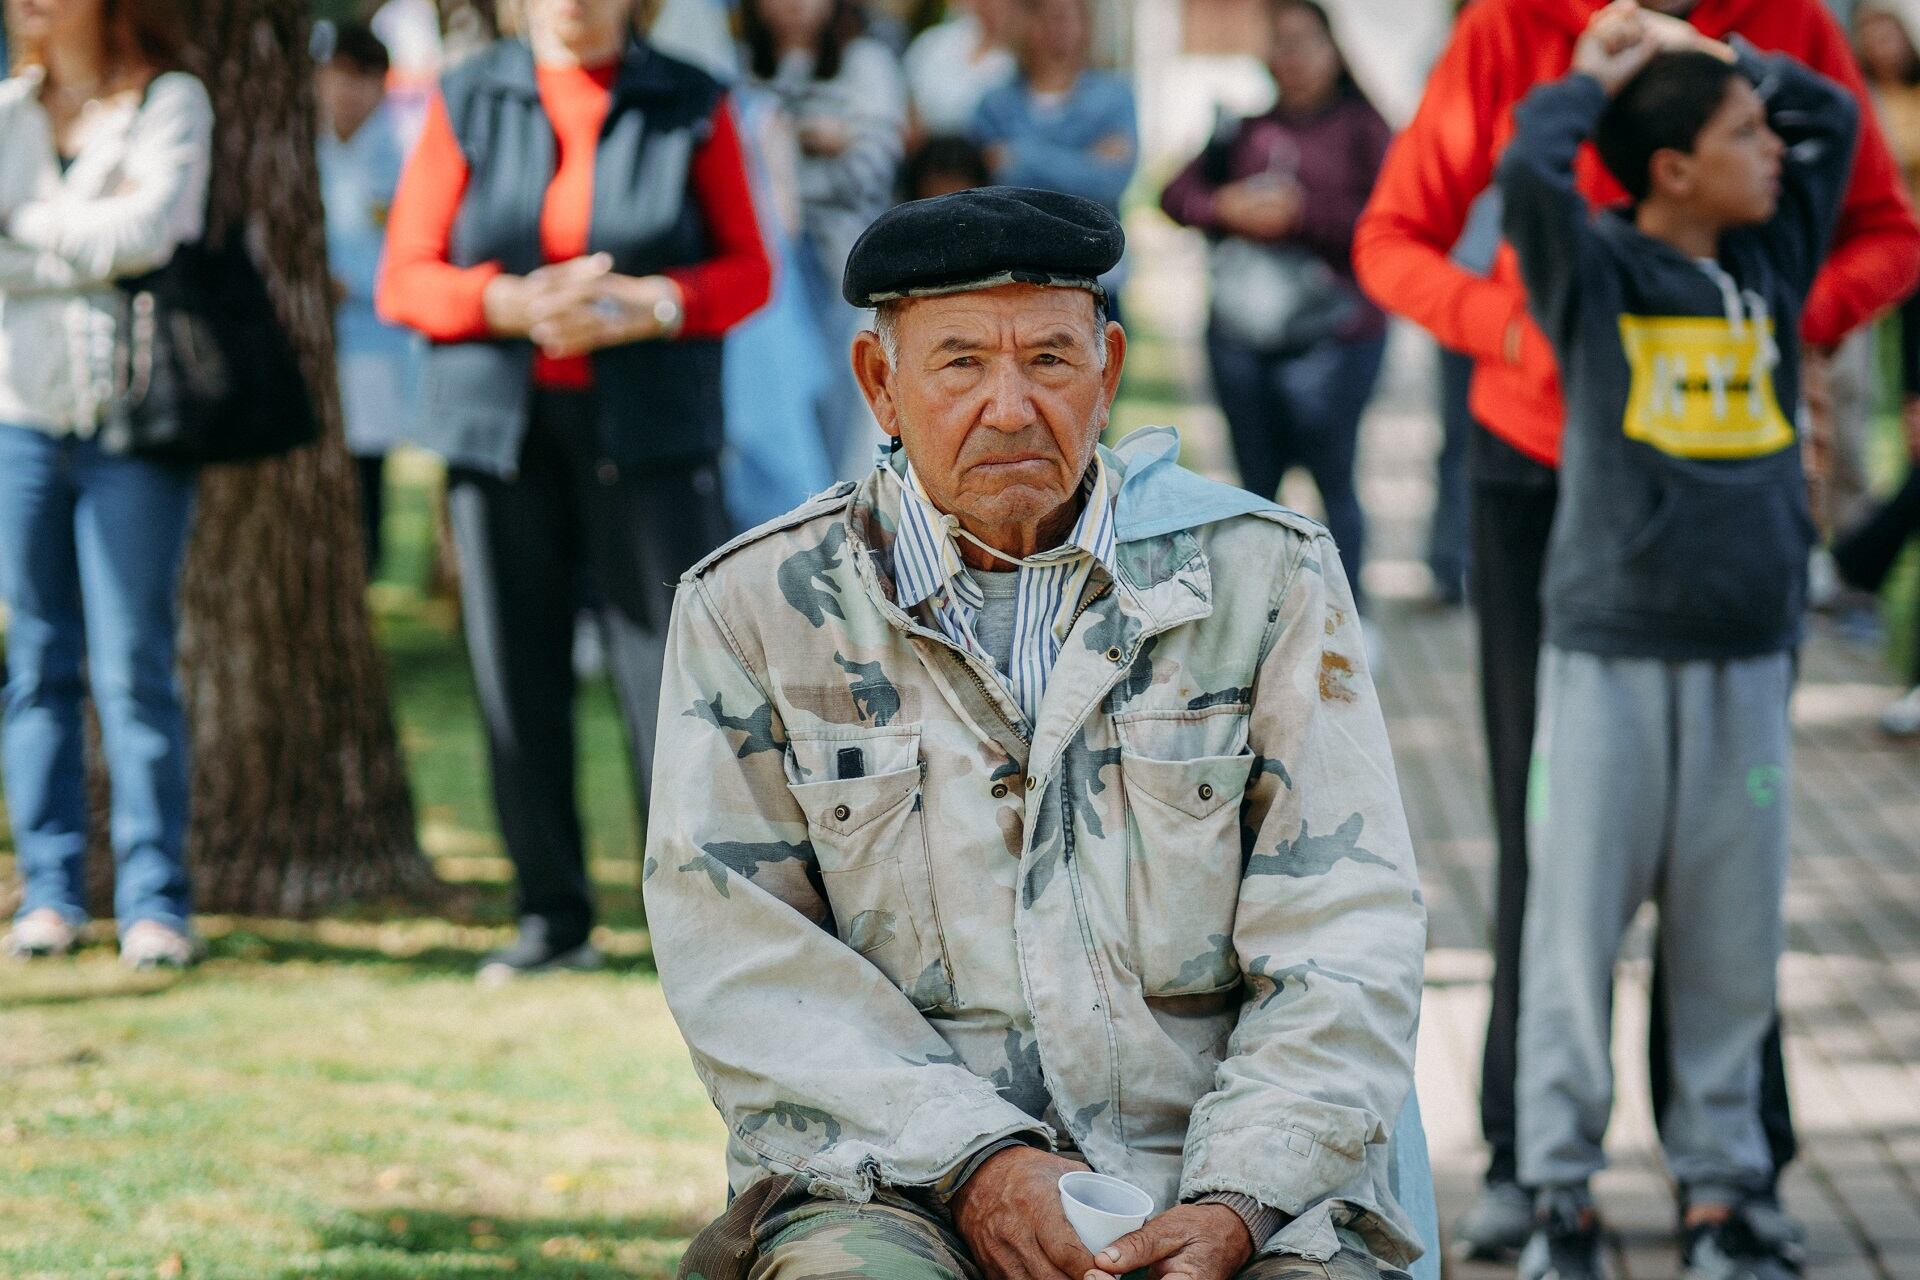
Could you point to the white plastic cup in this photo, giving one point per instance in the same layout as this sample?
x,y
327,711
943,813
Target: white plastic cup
x,y
1102,1209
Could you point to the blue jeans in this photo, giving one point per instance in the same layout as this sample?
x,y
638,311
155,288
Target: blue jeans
x,y
90,551
1410,1176
1302,410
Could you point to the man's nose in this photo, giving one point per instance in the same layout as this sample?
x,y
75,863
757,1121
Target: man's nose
x,y
1008,407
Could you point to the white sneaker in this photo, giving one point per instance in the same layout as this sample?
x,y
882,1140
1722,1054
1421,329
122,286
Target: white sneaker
x,y
1823,579
148,944
39,934
1902,716
589,650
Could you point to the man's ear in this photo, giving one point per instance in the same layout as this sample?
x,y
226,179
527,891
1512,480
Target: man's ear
x,y
874,372
1116,340
1670,173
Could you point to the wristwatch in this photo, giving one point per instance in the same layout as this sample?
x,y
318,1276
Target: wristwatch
x,y
668,313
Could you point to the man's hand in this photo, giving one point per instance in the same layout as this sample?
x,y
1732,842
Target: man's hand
x,y
824,136
513,304
1189,1241
616,310
1617,43
1671,33
1258,211
1009,1214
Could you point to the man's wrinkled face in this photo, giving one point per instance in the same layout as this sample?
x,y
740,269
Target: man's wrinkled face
x,y
999,397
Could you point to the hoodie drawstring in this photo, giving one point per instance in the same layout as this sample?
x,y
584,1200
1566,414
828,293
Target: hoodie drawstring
x,y
1744,307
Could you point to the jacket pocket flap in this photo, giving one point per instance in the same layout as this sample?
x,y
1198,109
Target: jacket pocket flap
x,y
1198,787
845,805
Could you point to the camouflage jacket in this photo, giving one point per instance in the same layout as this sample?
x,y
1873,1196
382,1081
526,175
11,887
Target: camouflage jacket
x,y
1173,923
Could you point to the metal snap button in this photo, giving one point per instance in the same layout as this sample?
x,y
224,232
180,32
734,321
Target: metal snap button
x,y
999,791
1113,654
841,813
1032,782
1206,791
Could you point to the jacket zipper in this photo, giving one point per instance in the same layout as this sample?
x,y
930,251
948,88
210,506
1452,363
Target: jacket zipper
x,y
1088,603
981,684
986,695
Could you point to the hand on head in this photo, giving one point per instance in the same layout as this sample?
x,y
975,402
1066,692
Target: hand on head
x,y
1623,37
1616,45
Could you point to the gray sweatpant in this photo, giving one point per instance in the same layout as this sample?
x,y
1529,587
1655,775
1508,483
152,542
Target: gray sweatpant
x,y
1662,780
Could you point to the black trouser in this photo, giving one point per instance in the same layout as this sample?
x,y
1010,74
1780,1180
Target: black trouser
x,y
1866,553
371,474
1512,516
524,544
1302,409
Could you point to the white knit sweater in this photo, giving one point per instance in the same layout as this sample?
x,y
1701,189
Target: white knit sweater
x,y
136,191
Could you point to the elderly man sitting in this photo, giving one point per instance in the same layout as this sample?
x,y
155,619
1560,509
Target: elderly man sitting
x,y
1025,808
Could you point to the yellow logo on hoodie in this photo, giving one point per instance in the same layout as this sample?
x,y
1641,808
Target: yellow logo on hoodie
x,y
1703,388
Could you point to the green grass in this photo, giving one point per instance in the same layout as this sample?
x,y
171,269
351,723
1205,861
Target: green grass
x,y
1900,598
336,1098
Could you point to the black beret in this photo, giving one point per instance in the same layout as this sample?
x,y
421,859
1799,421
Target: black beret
x,y
979,238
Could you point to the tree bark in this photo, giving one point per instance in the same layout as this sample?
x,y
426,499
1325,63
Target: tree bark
x,y
300,797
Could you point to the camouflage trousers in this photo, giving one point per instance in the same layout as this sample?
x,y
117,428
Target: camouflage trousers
x,y
793,1236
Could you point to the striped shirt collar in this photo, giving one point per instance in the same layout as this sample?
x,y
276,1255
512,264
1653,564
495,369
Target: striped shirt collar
x,y
928,568
927,559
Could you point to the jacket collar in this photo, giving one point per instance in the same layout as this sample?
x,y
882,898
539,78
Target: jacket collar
x,y
1159,496
927,559
1163,574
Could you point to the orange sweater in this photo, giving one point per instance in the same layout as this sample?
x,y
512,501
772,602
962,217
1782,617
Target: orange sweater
x,y
421,289
1445,159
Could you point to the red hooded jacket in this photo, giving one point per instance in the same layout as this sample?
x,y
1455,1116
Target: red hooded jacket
x,y
1446,157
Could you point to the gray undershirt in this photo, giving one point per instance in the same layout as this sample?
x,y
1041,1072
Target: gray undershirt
x,y
993,625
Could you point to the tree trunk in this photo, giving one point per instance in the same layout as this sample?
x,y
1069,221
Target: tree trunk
x,y
300,798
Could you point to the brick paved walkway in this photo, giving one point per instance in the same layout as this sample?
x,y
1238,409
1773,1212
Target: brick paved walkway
x,y
1851,980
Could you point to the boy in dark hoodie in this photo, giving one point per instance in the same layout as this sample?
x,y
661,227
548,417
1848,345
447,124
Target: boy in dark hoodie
x,y
1674,588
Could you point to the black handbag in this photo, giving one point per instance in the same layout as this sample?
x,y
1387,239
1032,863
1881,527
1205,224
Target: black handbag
x,y
203,372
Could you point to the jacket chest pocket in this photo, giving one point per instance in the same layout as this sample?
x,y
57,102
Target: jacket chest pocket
x,y
1184,776
861,794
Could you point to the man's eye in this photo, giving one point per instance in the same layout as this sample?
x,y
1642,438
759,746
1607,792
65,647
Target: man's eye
x,y
1047,357
964,362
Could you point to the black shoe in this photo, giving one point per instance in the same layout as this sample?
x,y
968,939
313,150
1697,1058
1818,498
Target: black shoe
x,y
1746,1246
1566,1243
1769,1221
1495,1226
534,951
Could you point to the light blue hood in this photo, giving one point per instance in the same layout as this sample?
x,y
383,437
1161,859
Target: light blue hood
x,y
1158,495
